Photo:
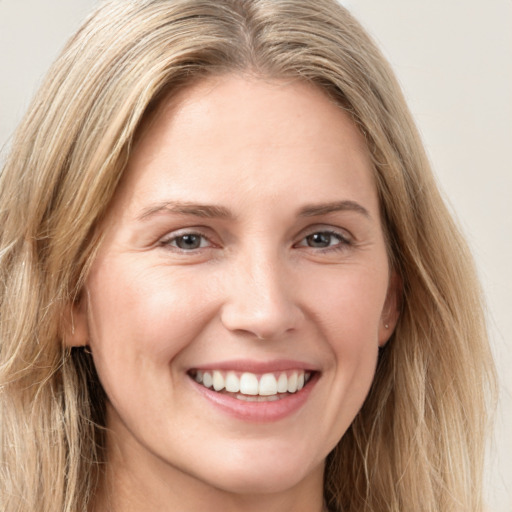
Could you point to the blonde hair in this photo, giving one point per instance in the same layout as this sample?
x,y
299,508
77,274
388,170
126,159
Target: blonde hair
x,y
418,442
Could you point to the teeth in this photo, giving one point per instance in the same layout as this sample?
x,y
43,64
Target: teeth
x,y
292,383
249,398
218,381
251,386
268,385
282,383
232,383
207,380
300,381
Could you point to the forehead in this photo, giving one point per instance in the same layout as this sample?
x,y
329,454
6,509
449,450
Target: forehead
x,y
234,135
227,102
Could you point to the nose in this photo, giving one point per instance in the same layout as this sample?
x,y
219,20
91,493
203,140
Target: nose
x,y
261,299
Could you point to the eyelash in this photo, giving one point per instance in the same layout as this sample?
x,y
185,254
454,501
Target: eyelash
x,y
171,241
343,241
342,244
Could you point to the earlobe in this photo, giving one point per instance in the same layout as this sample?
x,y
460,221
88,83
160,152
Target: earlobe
x,y
391,310
75,330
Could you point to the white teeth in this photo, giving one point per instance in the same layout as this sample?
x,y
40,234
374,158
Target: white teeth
x,y
292,382
300,381
257,398
218,381
282,383
207,380
268,385
249,384
232,383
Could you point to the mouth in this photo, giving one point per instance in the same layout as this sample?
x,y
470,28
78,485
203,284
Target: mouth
x,y
253,387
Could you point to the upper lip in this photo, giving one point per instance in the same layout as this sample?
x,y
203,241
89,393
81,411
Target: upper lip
x,y
244,365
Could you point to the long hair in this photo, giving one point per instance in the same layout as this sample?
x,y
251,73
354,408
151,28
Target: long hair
x,y
418,441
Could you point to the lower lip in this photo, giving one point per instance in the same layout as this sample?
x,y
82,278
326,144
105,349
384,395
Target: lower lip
x,y
258,412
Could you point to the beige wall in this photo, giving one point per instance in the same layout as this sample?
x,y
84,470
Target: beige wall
x,y
454,59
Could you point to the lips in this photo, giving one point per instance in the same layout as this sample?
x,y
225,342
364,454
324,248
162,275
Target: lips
x,y
253,386
256,391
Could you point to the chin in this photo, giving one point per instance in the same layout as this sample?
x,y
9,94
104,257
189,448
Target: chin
x,y
251,476
262,482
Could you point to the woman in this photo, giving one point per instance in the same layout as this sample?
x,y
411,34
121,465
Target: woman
x,y
228,279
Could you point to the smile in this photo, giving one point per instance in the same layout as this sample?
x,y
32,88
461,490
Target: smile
x,y
251,386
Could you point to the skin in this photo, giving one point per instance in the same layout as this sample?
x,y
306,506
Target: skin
x,y
257,288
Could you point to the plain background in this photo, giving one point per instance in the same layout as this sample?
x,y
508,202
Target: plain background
x,y
454,61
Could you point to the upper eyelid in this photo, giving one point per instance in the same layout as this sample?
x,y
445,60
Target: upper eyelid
x,y
195,230
341,232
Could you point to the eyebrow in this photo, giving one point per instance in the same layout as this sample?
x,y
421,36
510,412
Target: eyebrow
x,y
337,206
185,208
213,211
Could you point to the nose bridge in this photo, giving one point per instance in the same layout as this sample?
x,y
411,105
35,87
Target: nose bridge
x,y
261,296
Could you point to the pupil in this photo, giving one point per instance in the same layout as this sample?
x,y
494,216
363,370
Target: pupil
x,y
319,240
188,242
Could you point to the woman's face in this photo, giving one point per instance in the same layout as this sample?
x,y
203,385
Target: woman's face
x,y
244,249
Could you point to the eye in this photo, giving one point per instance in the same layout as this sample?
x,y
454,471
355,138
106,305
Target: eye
x,y
187,241
324,240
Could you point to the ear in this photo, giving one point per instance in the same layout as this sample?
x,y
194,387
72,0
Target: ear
x,y
75,325
391,309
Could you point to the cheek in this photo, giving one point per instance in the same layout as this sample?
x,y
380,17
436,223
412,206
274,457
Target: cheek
x,y
348,303
145,318
348,307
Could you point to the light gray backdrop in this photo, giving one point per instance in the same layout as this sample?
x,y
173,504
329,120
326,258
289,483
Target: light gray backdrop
x,y
454,60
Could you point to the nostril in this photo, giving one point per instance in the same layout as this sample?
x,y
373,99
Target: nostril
x,y
263,324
